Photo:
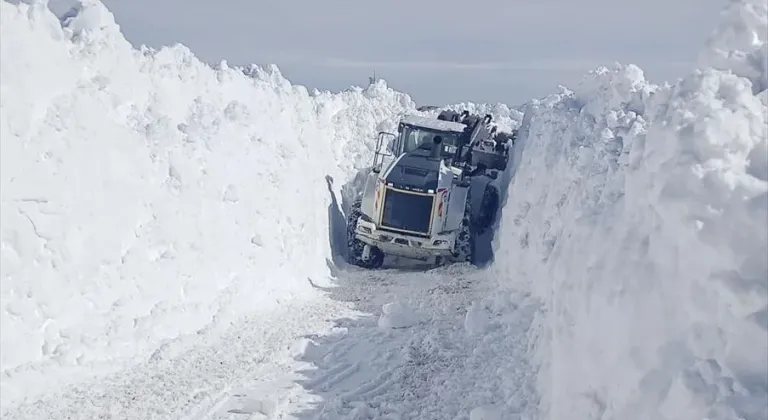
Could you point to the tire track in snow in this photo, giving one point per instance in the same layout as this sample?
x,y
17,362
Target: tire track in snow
x,y
430,368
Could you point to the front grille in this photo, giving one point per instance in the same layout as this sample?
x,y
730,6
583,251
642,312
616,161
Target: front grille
x,y
407,211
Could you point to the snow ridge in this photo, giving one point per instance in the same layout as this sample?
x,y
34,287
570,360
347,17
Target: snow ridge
x,y
637,218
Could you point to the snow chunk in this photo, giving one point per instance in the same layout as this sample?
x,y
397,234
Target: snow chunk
x,y
398,315
477,319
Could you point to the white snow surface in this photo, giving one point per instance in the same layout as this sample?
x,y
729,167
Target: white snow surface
x,y
739,44
165,249
637,217
147,196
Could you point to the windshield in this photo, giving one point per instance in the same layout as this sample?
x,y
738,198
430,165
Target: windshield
x,y
415,137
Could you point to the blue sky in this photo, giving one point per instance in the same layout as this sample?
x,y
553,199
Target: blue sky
x,y
438,51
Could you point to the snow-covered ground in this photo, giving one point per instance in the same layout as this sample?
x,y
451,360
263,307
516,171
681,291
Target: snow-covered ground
x,y
169,247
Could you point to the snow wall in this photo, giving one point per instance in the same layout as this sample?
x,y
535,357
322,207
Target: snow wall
x,y
146,195
637,219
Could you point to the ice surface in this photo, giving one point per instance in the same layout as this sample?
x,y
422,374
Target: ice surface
x,y
637,217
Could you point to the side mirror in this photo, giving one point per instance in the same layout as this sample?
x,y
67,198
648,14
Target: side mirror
x,y
389,148
385,143
383,148
392,144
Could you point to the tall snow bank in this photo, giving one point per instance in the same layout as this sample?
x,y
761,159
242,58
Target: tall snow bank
x,y
740,42
638,218
147,196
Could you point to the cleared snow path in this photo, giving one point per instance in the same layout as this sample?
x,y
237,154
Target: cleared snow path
x,y
386,345
412,353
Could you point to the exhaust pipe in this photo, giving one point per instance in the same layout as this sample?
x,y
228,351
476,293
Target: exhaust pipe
x,y
437,148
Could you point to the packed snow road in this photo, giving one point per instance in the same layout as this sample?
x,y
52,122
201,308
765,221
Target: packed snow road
x,y
386,344
412,354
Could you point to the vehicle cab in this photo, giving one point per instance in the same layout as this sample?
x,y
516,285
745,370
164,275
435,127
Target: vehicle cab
x,y
416,132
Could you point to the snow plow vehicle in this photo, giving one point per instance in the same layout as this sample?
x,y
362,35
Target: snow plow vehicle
x,y
416,200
